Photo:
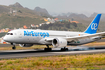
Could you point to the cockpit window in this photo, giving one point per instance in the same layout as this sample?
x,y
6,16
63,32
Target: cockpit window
x,y
9,33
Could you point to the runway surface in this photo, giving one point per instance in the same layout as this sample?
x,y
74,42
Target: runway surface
x,y
55,51
40,53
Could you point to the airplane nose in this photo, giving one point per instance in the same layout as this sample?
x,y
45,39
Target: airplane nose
x,y
5,38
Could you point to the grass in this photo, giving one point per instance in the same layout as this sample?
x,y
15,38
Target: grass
x,y
63,62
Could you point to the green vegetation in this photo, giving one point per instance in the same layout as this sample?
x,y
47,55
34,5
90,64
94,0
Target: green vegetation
x,y
63,62
65,26
8,21
2,34
18,17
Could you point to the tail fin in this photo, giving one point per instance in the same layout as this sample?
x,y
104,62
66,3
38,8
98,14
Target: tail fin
x,y
92,29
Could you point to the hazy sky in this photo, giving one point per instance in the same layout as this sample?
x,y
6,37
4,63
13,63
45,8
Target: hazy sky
x,y
62,6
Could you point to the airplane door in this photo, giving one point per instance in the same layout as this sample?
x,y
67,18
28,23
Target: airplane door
x,y
23,38
20,34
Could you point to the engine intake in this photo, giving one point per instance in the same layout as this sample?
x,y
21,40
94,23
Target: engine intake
x,y
59,42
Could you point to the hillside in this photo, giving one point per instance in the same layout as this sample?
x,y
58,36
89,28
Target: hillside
x,y
41,12
84,19
8,21
63,26
16,16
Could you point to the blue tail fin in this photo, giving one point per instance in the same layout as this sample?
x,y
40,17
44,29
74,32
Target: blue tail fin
x,y
92,29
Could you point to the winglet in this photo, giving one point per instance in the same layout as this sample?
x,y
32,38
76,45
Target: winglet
x,y
92,29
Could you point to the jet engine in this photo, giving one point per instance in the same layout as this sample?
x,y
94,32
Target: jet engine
x,y
59,42
25,45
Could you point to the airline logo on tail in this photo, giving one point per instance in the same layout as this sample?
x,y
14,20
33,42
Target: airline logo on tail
x,y
94,26
92,29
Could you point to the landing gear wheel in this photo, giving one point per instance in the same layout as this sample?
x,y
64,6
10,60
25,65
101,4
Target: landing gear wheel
x,y
13,47
64,49
47,49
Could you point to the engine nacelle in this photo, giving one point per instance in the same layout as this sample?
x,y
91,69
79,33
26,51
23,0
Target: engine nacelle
x,y
59,42
25,45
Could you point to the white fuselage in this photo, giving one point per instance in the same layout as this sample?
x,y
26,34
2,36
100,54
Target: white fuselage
x,y
31,36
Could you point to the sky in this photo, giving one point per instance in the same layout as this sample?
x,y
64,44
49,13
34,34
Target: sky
x,y
62,6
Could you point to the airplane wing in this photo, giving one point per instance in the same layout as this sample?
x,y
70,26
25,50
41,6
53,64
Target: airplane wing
x,y
49,39
101,34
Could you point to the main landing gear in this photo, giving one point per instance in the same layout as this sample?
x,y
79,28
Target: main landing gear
x,y
48,49
13,46
64,49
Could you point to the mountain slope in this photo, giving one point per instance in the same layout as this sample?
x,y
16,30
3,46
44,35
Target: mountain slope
x,y
41,11
16,5
3,9
16,16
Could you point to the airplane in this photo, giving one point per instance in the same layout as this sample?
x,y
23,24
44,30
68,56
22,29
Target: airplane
x,y
58,39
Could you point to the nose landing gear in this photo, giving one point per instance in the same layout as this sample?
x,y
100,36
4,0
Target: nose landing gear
x,y
13,46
